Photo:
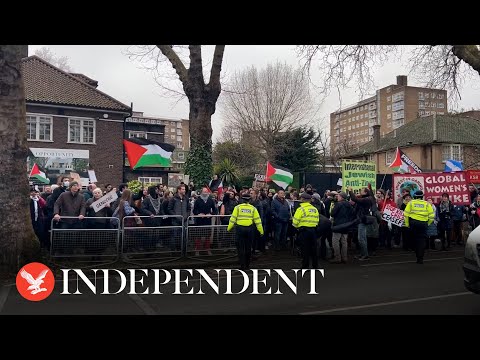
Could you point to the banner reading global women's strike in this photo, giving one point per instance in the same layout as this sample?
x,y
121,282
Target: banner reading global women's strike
x,y
434,185
358,174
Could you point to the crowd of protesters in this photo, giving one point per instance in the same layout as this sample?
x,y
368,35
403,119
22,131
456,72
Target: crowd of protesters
x,y
349,222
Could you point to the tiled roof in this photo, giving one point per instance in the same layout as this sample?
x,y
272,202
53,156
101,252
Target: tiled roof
x,y
450,129
44,83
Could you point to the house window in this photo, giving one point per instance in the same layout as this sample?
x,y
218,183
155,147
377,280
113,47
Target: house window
x,y
349,128
172,130
427,104
389,107
370,157
420,95
389,116
427,95
179,132
389,157
172,123
39,128
181,155
440,96
137,134
179,144
179,138
389,98
434,105
349,112
433,95
441,105
452,152
150,180
389,89
179,124
81,131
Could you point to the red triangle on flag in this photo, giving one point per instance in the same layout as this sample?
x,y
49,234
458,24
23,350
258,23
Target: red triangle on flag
x,y
270,171
35,170
398,160
134,152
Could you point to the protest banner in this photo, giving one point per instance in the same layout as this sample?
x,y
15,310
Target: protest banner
x,y
434,185
393,215
104,200
92,176
358,174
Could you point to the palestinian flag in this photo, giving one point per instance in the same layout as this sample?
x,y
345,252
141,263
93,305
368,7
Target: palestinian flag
x,y
403,164
142,152
38,175
279,175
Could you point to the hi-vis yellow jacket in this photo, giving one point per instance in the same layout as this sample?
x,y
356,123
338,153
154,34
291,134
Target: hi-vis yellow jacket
x,y
306,216
245,215
420,210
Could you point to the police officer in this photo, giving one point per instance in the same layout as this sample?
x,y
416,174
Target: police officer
x,y
245,216
418,215
305,221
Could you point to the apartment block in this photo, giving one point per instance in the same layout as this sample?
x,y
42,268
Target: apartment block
x,y
391,107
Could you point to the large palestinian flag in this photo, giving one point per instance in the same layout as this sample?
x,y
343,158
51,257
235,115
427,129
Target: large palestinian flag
x,y
403,164
38,175
142,152
279,175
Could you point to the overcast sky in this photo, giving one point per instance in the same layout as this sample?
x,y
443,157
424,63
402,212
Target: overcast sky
x,y
126,81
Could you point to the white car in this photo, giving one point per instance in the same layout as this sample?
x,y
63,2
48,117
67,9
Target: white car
x,y
471,267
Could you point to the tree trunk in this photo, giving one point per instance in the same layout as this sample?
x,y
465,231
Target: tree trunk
x,y
199,161
17,239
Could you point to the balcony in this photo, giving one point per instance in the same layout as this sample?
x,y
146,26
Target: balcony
x,y
421,105
372,106
398,96
372,122
398,105
372,114
398,115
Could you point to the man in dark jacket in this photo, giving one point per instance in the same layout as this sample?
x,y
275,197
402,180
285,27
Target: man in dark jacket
x,y
257,243
363,203
473,193
445,224
204,207
72,204
342,214
37,214
179,205
457,217
281,216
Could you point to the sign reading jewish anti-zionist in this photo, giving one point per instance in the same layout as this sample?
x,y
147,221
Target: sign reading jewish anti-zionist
x,y
104,200
358,174
393,215
434,185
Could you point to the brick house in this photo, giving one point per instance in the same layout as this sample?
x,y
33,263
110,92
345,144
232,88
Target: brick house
x,y
71,125
428,141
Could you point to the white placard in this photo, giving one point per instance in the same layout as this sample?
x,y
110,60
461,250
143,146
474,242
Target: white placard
x,y
393,215
92,176
84,182
340,182
104,200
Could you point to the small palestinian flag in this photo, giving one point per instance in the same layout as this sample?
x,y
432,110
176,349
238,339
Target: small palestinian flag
x,y
279,175
38,175
403,164
142,152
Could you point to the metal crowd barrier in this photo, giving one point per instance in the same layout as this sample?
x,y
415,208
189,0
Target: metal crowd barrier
x,y
207,238
146,236
90,237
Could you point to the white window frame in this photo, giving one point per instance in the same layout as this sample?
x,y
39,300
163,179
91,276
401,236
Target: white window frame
x,y
179,124
82,120
172,137
37,127
389,107
441,105
389,98
449,154
180,145
181,156
134,134
440,96
389,157
172,130
150,180
179,138
389,116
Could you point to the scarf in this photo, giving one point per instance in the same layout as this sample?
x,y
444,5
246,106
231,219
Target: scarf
x,y
156,204
35,206
445,206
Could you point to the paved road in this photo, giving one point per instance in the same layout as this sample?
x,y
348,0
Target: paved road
x,y
391,283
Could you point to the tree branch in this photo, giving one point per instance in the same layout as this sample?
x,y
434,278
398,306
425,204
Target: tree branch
x,y
177,64
214,81
469,54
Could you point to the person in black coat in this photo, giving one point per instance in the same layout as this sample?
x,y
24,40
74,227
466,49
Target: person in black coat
x,y
445,212
203,207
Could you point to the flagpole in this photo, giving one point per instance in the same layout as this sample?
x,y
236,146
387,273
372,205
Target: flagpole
x,y
384,175
123,138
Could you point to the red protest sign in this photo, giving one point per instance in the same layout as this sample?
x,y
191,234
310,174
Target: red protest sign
x,y
434,185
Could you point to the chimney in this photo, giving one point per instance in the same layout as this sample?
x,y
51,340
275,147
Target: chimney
x,y
434,127
402,80
376,137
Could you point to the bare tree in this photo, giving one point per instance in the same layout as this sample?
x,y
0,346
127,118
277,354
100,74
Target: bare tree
x,y
443,66
263,103
201,95
17,238
59,61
